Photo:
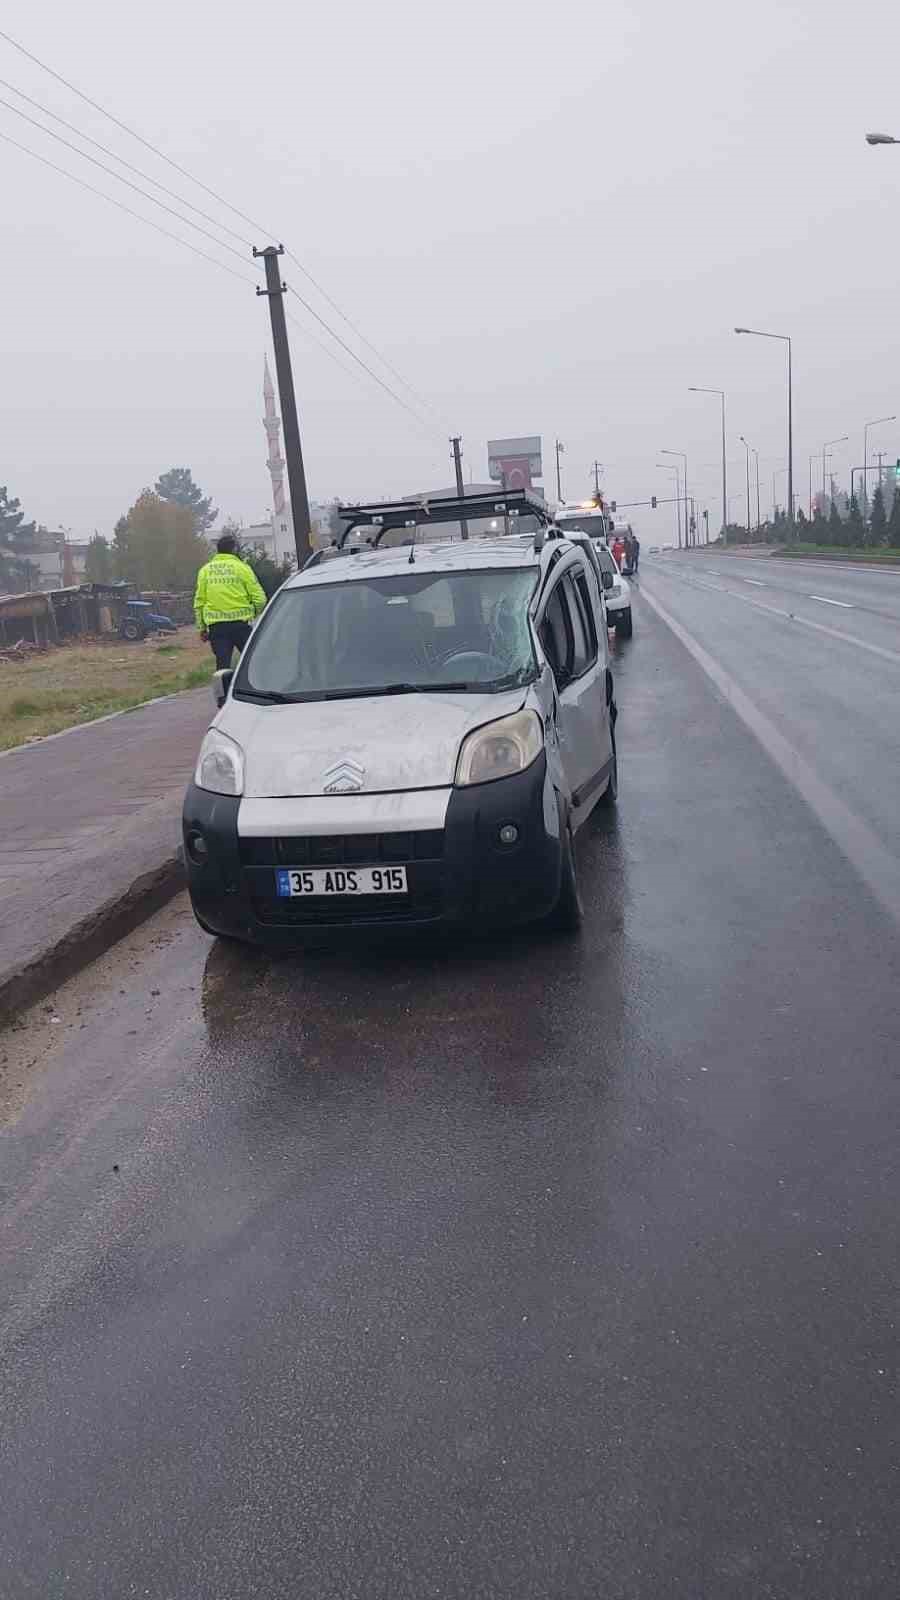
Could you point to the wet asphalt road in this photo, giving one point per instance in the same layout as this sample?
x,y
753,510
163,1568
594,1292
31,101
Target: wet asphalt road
x,y
526,1269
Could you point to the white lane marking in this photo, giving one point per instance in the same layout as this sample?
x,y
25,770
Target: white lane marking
x,y
879,869
757,582
823,600
802,622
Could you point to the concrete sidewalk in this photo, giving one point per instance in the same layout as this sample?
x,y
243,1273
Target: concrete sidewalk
x,y
91,830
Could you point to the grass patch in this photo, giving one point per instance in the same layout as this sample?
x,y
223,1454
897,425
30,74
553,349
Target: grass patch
x,y
76,683
828,552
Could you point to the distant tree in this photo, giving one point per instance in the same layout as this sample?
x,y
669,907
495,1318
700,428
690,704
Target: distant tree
x,y
893,527
836,534
801,527
855,528
157,546
178,488
270,573
16,571
818,528
98,563
878,519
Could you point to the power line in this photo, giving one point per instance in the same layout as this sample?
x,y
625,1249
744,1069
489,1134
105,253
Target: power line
x,y
258,227
98,145
361,336
359,361
157,227
295,321
203,254
83,154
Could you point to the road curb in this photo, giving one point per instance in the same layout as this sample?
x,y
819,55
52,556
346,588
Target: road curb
x,y
22,986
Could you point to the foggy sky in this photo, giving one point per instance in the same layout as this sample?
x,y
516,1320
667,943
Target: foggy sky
x,y
548,218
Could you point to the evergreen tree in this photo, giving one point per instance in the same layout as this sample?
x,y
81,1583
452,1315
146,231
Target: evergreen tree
x,y
270,574
16,571
878,519
855,527
178,488
836,534
819,527
98,563
893,527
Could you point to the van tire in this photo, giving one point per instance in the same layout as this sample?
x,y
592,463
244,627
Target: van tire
x,y
610,795
568,913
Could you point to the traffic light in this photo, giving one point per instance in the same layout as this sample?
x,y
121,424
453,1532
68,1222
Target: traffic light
x,y
653,498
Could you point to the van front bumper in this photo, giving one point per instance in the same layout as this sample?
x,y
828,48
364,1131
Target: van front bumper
x,y
460,875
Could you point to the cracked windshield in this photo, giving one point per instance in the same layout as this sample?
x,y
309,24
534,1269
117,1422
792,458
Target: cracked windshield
x,y
431,631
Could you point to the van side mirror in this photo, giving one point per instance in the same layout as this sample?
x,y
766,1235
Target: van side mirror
x,y
607,580
221,683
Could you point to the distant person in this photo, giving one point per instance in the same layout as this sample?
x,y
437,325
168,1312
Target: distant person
x,y
635,552
618,549
629,551
228,598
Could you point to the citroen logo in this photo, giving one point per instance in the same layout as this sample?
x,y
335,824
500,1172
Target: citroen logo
x,y
345,777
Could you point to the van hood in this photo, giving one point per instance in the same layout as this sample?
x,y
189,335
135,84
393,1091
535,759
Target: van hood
x,y
375,746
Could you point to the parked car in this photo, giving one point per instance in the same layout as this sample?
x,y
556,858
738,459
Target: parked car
x,y
411,739
140,619
616,592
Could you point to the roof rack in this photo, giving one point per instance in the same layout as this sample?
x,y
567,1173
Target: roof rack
x,y
427,511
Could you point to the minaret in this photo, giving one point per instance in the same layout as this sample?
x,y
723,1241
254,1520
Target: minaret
x,y
272,425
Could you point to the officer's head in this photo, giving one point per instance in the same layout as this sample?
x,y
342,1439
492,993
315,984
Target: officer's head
x,y
227,545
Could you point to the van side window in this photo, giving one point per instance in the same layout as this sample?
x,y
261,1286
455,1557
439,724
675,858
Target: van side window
x,y
580,647
556,635
584,597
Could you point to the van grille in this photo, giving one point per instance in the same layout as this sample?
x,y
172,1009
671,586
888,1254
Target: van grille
x,y
343,849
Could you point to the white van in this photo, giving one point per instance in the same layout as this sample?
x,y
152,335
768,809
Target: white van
x,y
411,738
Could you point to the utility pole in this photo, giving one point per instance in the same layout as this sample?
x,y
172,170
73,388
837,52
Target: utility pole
x,y
456,442
275,291
559,450
597,466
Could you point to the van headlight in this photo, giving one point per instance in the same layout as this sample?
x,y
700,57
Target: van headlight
x,y
220,767
500,749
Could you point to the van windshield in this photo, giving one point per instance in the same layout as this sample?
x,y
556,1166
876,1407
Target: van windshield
x,y
376,635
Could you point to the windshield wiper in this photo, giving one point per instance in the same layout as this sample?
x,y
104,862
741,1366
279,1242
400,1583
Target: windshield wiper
x,y
269,696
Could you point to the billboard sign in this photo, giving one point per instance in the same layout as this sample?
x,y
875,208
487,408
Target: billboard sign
x,y
515,462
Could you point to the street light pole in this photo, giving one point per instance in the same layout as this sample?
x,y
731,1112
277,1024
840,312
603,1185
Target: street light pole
x,y
747,448
756,460
692,389
875,424
758,333
826,446
683,456
559,450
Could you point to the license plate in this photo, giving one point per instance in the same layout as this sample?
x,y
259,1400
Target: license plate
x,y
292,881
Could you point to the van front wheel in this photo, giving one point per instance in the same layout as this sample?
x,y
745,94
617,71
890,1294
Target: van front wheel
x,y
568,913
